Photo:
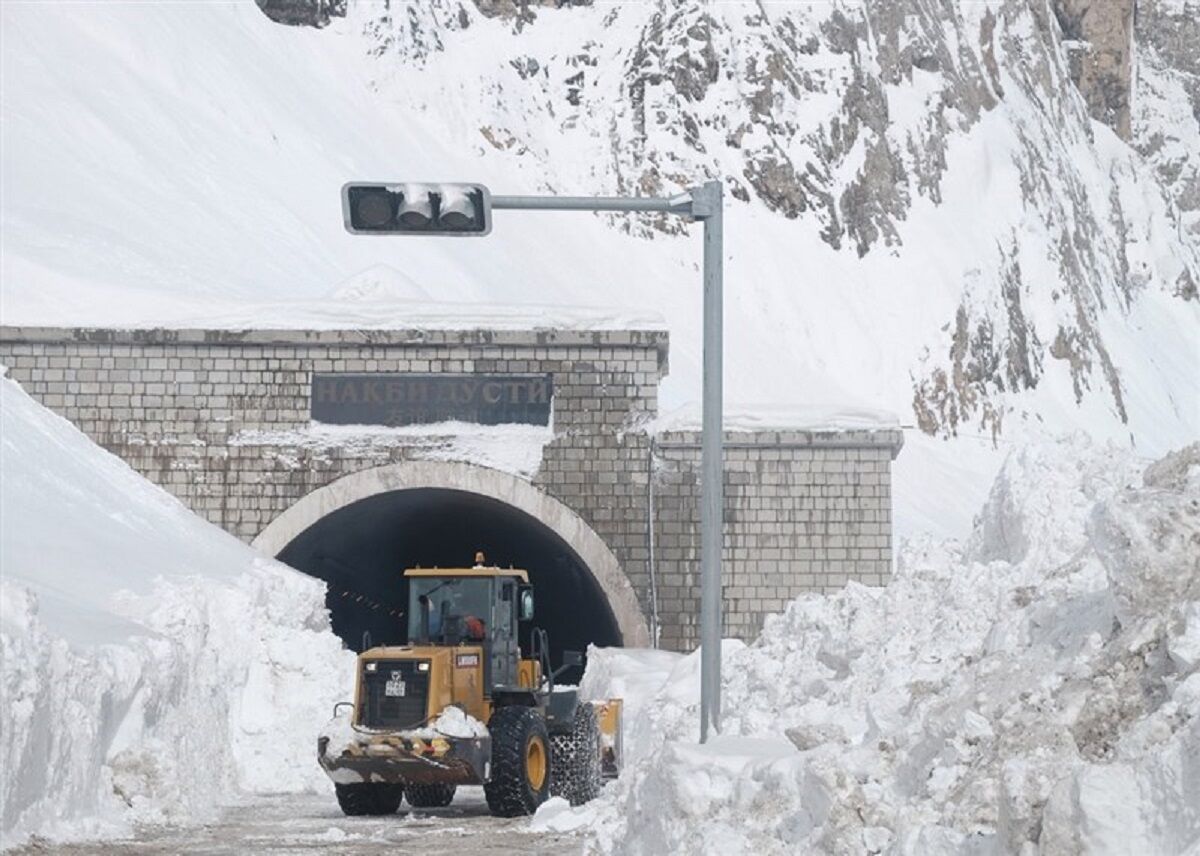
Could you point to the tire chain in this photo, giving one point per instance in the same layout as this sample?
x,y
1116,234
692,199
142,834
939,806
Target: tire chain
x,y
575,758
429,796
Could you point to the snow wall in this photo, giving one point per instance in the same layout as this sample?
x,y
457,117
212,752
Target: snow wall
x,y
152,665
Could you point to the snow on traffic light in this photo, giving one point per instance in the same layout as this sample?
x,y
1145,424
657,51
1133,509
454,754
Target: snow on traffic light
x,y
416,209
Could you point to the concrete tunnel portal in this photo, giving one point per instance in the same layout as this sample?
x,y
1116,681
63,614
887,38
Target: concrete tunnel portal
x,y
362,549
361,531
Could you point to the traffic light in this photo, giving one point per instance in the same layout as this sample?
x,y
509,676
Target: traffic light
x,y
417,209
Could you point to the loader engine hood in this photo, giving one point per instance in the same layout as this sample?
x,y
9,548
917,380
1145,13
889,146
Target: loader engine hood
x,y
403,688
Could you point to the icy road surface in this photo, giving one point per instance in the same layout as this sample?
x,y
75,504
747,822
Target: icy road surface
x,y
302,824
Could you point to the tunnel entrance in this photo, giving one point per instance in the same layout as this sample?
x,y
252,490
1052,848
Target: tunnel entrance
x,y
362,549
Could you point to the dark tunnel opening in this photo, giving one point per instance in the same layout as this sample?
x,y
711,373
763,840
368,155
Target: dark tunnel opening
x,y
362,550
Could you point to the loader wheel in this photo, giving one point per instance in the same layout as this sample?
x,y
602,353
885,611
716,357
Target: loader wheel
x,y
369,798
429,796
520,762
575,758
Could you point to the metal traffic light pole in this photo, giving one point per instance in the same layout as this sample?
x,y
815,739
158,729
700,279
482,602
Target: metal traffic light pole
x,y
703,203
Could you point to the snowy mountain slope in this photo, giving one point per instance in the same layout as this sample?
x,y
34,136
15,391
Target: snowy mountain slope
x,y
874,125
152,665
922,217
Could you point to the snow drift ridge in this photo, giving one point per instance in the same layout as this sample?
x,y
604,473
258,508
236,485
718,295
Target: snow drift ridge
x,y
1040,690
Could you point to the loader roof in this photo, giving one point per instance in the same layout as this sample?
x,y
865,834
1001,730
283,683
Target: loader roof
x,y
468,572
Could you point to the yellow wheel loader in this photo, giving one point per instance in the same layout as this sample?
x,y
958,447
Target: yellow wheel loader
x,y
461,705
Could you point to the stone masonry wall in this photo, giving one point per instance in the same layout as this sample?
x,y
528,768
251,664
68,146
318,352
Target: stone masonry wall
x,y
803,511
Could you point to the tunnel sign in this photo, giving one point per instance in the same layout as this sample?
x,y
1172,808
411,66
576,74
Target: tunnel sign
x,y
414,399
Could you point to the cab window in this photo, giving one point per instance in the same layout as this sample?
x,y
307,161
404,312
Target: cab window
x,y
448,610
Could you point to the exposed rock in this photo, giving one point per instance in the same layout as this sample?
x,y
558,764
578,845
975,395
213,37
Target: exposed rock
x,y
1099,42
991,352
303,13
875,200
1177,471
521,12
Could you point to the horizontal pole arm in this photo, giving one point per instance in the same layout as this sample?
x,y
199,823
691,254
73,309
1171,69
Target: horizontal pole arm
x,y
678,205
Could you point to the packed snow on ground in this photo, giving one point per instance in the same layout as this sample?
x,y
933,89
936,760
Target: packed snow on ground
x,y
153,666
1036,689
514,449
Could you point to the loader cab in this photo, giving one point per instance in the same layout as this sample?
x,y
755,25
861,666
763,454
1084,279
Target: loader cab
x,y
480,606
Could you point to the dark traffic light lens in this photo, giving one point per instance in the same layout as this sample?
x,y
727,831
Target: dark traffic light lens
x,y
457,220
459,207
414,219
373,209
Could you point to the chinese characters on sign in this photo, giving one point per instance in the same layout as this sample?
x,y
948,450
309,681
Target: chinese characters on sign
x,y
412,399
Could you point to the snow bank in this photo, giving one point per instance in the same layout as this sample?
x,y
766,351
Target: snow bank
x,y
775,417
514,449
366,309
153,666
1034,691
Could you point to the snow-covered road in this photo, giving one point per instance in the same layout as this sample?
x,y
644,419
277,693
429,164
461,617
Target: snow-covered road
x,y
295,824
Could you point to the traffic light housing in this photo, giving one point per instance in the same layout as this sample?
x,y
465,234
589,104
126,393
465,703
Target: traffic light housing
x,y
416,209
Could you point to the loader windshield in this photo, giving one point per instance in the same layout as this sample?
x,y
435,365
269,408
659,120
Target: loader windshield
x,y
449,610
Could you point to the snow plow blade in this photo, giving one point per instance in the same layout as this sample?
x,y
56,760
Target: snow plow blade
x,y
396,759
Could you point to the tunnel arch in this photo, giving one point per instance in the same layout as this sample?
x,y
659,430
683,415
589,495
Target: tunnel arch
x,y
507,492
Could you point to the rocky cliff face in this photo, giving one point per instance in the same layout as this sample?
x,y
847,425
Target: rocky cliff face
x,y
866,123
1098,40
1137,65
1166,112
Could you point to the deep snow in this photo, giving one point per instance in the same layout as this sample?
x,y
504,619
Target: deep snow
x,y
1036,690
153,667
